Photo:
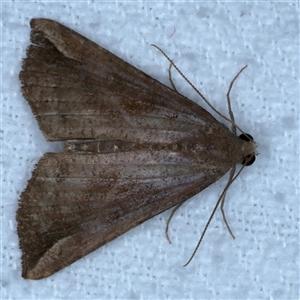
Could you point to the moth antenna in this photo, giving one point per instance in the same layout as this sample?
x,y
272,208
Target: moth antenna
x,y
221,199
198,92
231,176
233,124
171,80
231,172
169,220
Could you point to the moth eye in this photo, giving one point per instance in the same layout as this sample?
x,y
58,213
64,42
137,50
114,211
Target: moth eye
x,y
248,160
246,137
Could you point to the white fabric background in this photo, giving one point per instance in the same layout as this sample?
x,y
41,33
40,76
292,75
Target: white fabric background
x,y
210,42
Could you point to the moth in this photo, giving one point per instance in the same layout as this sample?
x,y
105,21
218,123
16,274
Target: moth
x,y
133,148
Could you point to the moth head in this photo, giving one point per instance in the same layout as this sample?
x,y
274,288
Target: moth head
x,y
250,158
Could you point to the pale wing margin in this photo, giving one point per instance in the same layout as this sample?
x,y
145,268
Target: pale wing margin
x,y
78,89
88,200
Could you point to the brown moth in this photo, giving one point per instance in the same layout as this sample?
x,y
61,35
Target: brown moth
x,y
133,148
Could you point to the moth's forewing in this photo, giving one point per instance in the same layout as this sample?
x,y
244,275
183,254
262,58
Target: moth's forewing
x,y
79,90
134,149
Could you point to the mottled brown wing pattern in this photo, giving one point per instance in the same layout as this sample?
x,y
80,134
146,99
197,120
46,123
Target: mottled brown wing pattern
x,y
93,199
134,148
97,95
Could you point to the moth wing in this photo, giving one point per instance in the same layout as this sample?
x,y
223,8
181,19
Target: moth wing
x,y
75,203
78,89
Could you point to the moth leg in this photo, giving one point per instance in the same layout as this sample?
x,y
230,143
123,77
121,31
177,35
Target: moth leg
x,y
169,220
171,80
232,171
233,126
220,200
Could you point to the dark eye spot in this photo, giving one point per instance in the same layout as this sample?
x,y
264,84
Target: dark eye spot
x,y
250,158
246,137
